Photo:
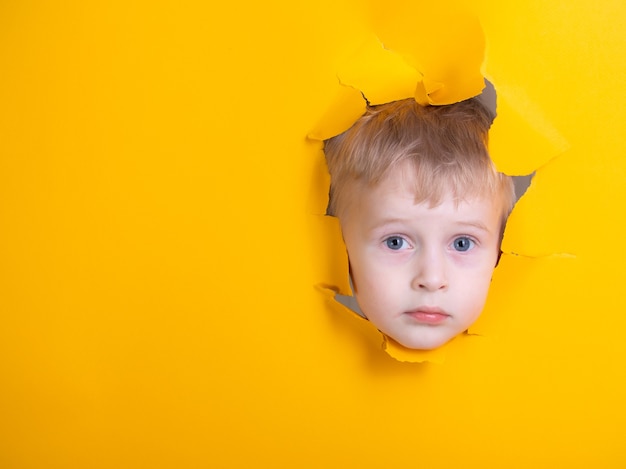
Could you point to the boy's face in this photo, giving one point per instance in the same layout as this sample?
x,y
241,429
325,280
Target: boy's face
x,y
420,274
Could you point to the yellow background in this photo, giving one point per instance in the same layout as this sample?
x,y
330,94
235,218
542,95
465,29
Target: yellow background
x,y
160,240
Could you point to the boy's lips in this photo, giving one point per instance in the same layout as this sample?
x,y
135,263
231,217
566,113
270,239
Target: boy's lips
x,y
428,315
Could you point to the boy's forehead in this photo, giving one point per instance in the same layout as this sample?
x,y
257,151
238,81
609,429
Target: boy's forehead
x,y
393,189
403,183
372,213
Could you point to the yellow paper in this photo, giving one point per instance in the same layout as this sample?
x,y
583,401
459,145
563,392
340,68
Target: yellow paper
x,y
160,251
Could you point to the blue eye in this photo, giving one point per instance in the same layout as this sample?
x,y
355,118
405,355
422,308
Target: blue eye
x,y
462,244
396,243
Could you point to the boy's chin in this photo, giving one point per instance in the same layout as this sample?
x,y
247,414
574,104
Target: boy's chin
x,y
424,343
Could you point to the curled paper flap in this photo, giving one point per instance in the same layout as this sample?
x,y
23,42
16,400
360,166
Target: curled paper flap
x,y
441,66
452,68
344,111
380,74
447,48
334,270
521,139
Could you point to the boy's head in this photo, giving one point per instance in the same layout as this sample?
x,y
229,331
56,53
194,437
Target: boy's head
x,y
422,210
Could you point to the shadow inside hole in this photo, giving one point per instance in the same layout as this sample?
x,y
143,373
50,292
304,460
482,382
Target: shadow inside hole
x,y
521,184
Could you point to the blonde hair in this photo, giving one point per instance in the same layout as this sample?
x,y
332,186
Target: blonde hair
x,y
446,146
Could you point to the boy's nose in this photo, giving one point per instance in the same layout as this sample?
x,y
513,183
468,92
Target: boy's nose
x,y
430,273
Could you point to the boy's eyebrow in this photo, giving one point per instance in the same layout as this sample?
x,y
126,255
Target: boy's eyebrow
x,y
475,223
388,221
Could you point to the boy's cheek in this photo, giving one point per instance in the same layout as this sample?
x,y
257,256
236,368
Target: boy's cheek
x,y
365,278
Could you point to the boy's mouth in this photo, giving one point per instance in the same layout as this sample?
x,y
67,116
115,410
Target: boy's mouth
x,y
429,315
